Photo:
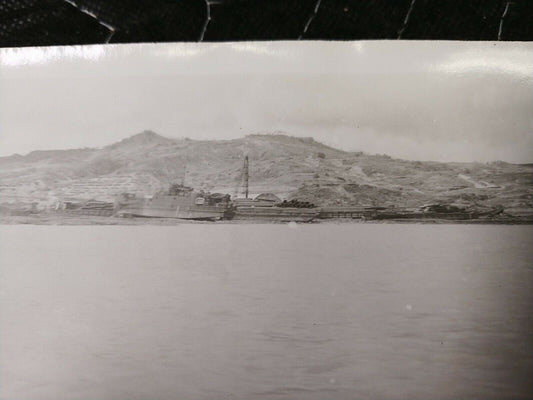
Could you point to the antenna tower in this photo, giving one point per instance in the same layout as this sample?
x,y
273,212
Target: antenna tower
x,y
246,176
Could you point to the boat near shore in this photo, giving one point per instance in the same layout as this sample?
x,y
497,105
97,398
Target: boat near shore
x,y
178,201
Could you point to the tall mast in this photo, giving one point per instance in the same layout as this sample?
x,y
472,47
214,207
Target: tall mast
x,y
184,172
246,176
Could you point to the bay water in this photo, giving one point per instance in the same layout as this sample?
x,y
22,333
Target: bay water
x,y
266,311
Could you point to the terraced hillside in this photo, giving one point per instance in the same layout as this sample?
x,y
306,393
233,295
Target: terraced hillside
x,y
288,166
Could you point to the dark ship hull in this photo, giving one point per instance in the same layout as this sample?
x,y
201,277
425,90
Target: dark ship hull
x,y
206,213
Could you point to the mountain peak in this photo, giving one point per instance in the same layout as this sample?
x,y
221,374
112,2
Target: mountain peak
x,y
146,137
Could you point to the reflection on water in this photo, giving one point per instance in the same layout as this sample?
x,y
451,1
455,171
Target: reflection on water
x,y
266,312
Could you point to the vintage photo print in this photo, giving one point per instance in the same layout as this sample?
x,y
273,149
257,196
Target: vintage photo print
x,y
269,220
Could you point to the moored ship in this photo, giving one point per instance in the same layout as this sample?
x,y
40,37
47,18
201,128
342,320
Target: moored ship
x,y
178,201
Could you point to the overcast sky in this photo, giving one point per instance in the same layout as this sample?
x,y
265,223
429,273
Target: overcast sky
x,y
444,101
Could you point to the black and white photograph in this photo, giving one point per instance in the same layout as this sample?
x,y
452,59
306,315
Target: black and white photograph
x,y
267,220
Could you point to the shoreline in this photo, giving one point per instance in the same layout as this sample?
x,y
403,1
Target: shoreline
x,y
100,220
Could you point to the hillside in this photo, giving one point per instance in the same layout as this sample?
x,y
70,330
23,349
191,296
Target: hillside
x,y
288,166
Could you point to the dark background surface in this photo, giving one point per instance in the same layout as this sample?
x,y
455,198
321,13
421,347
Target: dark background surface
x,y
66,22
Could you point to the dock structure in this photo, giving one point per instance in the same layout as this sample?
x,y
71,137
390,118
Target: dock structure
x,y
99,208
87,207
345,212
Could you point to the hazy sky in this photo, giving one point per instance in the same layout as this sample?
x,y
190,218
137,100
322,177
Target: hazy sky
x,y
445,101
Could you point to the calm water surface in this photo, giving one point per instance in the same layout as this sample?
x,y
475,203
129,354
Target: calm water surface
x,y
206,311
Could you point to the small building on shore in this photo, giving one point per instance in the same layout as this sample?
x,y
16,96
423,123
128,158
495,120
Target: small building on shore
x,y
267,197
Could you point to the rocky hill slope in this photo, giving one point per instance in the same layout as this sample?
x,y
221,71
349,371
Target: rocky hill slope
x,y
288,166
